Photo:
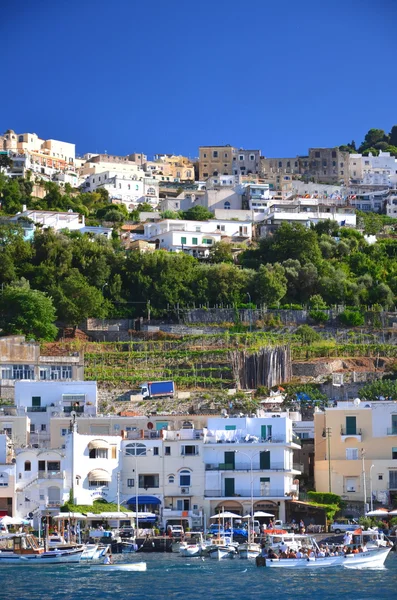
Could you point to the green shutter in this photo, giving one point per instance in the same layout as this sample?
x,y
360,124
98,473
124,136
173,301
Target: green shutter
x,y
351,426
229,486
36,400
194,242
183,240
264,460
230,460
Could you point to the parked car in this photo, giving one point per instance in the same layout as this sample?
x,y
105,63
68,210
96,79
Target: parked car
x,y
343,525
175,530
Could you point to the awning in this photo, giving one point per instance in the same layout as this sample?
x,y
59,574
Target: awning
x,y
98,444
99,475
144,500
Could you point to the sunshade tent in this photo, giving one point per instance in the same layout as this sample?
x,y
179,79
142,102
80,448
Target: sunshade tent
x,y
225,515
260,513
70,515
13,521
379,512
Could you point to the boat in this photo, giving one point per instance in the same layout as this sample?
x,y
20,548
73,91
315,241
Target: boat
x,y
373,558
24,548
195,546
249,550
221,548
140,567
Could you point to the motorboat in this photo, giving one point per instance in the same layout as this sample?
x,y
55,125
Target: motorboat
x,y
195,546
373,558
24,548
140,567
221,548
249,550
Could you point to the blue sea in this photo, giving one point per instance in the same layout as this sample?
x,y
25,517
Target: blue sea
x,y
173,577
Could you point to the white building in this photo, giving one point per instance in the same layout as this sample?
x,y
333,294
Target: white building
x,y
237,451
129,190
56,220
41,400
195,237
374,170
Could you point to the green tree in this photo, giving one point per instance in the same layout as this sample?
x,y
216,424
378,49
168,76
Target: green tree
x,y
393,136
77,300
307,334
291,241
270,284
373,137
27,312
10,195
198,213
5,162
221,252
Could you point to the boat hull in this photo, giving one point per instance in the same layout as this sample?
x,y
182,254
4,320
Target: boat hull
x,y
371,559
46,558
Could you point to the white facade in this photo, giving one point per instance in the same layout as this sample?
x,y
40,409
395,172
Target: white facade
x,y
56,220
238,450
43,399
128,190
374,170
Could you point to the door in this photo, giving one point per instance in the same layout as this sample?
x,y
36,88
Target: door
x,y
266,432
351,426
41,465
229,486
265,486
394,424
264,460
230,461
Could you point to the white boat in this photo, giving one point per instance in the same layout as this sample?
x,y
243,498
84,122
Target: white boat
x,y
373,558
195,546
24,549
121,567
249,550
221,548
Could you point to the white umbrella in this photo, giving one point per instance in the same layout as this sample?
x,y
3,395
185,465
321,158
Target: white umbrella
x,y
379,512
13,521
260,513
393,512
225,515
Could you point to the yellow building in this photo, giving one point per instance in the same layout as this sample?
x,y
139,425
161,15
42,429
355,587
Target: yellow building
x,y
176,167
356,451
216,160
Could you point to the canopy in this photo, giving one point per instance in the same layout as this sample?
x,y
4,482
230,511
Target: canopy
x,y
225,515
13,521
98,444
144,500
99,475
258,513
70,515
379,512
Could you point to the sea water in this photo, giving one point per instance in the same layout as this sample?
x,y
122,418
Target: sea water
x,y
171,576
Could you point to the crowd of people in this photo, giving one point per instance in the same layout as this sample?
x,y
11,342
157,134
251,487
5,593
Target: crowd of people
x,y
322,551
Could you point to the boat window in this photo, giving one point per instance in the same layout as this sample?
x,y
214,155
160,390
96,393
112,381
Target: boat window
x,y
28,466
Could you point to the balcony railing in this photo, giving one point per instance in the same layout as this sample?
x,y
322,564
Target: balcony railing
x,y
51,475
245,494
221,437
392,430
77,409
343,431
247,467
36,409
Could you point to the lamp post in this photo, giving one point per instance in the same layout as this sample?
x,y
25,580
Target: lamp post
x,y
250,311
327,434
364,481
370,487
251,458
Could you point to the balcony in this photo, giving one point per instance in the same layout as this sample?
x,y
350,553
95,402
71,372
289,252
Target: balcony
x,y
247,467
38,409
79,410
246,494
392,430
51,475
356,433
232,437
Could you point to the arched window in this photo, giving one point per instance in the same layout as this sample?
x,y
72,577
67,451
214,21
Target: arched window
x,y
185,477
135,450
28,466
226,205
151,191
171,478
187,425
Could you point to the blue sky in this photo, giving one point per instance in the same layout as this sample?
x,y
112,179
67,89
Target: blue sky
x,y
125,76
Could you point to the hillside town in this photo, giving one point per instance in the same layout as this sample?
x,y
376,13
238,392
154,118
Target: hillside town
x,y
258,293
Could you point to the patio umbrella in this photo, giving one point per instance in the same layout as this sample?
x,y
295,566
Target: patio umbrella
x,y
379,512
260,513
225,515
13,521
393,512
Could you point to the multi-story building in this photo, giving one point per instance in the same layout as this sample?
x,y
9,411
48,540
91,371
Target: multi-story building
x,y
246,162
7,477
20,360
328,165
15,424
194,237
216,160
377,171
257,197
125,189
249,461
40,400
52,219
32,144
179,168
356,451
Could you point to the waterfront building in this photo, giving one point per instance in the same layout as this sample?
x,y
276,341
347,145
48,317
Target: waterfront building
x,y
356,451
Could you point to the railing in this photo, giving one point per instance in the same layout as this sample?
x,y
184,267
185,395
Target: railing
x,y
343,431
392,430
220,438
245,494
77,409
36,409
247,467
51,475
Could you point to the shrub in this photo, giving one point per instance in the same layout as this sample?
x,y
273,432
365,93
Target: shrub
x,y
318,316
317,302
307,334
351,318
325,498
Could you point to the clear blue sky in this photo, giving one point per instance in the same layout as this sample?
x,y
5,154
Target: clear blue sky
x,y
126,76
